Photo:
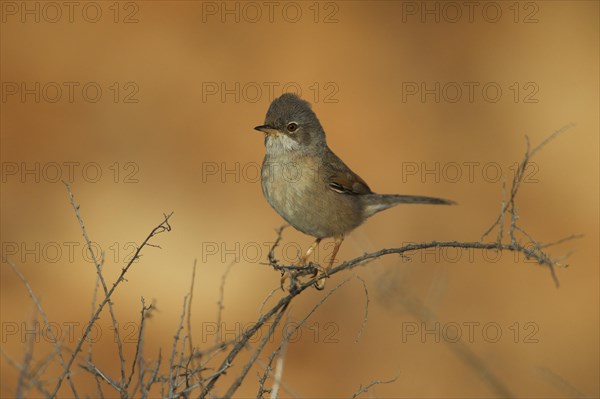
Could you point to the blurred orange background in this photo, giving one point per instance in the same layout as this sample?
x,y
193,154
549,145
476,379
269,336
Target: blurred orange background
x,y
151,106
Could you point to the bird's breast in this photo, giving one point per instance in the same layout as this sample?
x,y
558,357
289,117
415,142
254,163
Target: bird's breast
x,y
295,189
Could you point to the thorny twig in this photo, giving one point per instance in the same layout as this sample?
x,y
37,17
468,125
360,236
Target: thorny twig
x,y
373,383
51,335
98,264
290,333
164,226
366,316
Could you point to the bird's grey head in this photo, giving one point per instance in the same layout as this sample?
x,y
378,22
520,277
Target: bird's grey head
x,y
291,125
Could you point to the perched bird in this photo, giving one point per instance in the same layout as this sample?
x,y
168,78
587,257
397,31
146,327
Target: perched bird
x,y
310,186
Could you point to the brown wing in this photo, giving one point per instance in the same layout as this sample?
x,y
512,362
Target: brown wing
x,y
342,179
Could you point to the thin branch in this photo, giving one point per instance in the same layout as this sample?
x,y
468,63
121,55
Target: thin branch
x,y
32,376
283,303
271,255
291,392
97,372
500,219
360,260
366,316
278,372
189,314
53,338
164,226
293,331
560,382
238,381
173,373
38,370
153,377
511,207
373,383
269,296
139,341
220,305
98,265
552,137
569,238
27,358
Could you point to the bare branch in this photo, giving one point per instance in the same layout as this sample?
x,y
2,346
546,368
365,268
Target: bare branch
x,y
33,381
90,367
373,383
164,226
139,341
27,358
238,381
290,333
269,296
560,382
366,316
220,302
100,278
174,371
278,372
153,377
51,335
189,314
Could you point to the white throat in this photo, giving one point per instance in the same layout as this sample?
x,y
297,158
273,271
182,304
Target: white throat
x,y
278,143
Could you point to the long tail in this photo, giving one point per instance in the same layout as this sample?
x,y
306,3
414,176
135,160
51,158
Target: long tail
x,y
378,202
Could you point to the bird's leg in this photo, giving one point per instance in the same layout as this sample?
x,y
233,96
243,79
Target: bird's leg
x,y
309,251
302,260
320,284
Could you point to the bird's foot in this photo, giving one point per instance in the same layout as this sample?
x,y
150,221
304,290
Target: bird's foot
x,y
320,283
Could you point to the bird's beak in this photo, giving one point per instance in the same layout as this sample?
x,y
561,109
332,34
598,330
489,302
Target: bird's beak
x,y
266,129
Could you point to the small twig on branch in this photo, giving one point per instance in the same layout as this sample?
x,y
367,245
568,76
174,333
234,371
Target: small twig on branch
x,y
164,226
373,383
26,363
174,370
271,256
241,342
293,331
269,296
366,316
277,376
98,265
238,381
90,367
189,314
31,376
140,341
220,305
153,377
51,335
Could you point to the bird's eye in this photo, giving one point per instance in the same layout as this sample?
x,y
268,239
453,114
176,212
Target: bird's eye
x,y
292,127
